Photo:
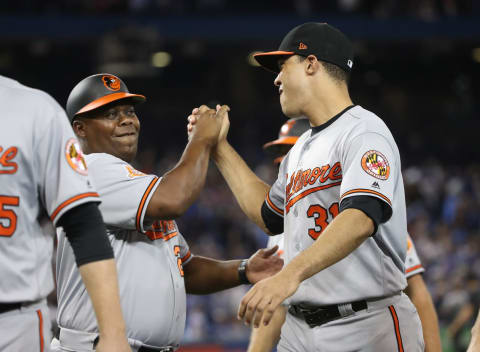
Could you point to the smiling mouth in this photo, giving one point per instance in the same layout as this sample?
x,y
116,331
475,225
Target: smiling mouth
x,y
280,91
126,134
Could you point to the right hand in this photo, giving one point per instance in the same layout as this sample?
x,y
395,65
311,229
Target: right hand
x,y
206,124
113,344
225,125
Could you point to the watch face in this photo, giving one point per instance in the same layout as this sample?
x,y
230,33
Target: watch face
x,y
242,272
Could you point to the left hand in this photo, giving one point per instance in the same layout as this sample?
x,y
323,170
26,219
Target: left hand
x,y
263,264
261,301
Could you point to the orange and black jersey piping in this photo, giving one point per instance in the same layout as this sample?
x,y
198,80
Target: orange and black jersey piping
x,y
142,207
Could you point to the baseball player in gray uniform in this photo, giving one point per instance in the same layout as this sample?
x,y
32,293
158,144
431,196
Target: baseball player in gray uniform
x,y
265,338
155,265
418,293
339,199
44,183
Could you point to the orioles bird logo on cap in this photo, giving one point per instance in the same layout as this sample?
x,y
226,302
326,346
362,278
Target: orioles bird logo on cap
x,y
111,82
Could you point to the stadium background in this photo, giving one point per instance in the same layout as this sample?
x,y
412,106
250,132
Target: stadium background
x,y
417,66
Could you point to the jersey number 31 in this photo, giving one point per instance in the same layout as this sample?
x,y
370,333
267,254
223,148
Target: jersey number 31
x,y
320,214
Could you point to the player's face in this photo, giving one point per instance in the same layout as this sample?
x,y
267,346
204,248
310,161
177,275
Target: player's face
x,y
113,130
290,83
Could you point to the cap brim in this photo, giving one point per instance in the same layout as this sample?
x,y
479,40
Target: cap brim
x,y
287,140
278,160
269,60
136,98
280,146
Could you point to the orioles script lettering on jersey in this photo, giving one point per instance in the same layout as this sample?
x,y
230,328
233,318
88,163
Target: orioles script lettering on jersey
x,y
162,229
302,178
6,166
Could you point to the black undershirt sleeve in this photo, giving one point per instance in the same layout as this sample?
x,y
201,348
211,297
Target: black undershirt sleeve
x,y
86,232
373,207
273,221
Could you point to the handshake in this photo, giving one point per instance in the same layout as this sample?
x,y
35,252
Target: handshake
x,y
208,125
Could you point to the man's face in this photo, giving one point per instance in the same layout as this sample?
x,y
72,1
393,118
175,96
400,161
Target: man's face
x,y
113,130
290,83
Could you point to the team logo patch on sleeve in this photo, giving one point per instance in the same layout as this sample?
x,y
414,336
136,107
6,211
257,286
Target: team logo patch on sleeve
x,y
74,156
376,164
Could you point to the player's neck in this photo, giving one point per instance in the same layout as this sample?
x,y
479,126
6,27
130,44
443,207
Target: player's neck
x,y
327,105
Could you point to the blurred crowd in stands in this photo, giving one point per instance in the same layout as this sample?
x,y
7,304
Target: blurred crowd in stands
x,y
422,9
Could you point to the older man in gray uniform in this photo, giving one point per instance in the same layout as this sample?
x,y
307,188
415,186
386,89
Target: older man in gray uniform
x,y
154,262
44,183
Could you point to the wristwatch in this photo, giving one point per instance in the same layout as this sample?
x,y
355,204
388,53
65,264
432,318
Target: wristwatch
x,y
242,272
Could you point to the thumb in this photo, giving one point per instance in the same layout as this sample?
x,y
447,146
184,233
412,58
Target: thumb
x,y
271,251
222,110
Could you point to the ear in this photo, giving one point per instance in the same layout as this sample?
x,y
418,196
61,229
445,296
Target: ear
x,y
312,64
79,127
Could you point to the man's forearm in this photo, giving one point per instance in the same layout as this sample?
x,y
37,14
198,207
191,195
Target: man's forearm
x,y
249,190
462,317
206,275
421,298
474,345
344,234
180,187
100,279
265,338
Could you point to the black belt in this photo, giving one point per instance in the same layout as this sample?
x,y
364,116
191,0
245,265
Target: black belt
x,y
5,307
152,349
142,348
316,316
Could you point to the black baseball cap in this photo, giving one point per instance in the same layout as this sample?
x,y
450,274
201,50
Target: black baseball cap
x,y
97,91
327,43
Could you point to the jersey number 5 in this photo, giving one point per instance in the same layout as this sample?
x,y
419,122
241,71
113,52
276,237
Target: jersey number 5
x,y
8,227
320,215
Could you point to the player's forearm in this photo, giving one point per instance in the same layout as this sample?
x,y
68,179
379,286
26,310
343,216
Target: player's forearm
x,y
206,275
462,317
249,190
100,279
418,293
474,345
265,338
180,187
344,234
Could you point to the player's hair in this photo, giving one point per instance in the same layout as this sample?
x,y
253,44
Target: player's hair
x,y
334,71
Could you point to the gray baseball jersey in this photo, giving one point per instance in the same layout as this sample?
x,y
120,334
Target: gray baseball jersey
x,y
42,175
149,260
353,154
413,265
